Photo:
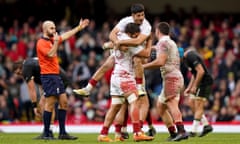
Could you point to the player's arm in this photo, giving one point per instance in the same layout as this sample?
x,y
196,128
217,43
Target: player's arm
x,y
158,62
134,41
113,35
191,82
161,59
187,90
147,50
199,75
58,39
32,90
199,69
81,26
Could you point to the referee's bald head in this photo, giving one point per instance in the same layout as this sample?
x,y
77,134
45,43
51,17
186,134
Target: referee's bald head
x,y
46,24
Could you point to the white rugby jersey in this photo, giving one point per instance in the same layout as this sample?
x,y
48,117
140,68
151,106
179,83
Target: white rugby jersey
x,y
172,66
145,27
124,59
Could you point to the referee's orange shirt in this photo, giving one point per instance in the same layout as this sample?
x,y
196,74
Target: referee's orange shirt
x,y
48,65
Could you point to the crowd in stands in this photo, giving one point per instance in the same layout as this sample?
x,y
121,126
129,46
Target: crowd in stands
x,y
215,37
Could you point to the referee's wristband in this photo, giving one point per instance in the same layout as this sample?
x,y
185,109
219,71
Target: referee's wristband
x,y
34,104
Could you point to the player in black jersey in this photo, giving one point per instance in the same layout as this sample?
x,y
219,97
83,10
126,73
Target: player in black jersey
x,y
198,90
29,70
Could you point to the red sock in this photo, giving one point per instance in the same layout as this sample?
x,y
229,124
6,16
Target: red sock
x,y
136,127
104,131
171,130
141,123
118,128
93,82
139,80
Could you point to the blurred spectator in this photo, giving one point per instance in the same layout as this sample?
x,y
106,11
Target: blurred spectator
x,y
81,73
26,104
85,43
215,36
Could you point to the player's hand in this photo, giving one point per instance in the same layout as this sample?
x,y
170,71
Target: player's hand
x,y
193,90
37,112
83,23
56,37
108,45
186,92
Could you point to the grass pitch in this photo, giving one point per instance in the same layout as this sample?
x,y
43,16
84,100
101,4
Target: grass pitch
x,y
27,138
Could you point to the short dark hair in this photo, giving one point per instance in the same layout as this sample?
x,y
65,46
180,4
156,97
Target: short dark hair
x,y
132,28
164,28
136,8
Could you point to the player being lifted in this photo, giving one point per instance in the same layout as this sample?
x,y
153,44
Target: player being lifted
x,y
138,17
123,86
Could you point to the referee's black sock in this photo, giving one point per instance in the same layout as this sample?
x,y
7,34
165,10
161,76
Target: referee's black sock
x,y
61,118
47,120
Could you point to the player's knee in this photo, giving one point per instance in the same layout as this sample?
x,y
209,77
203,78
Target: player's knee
x,y
137,60
49,107
144,101
177,115
160,108
63,105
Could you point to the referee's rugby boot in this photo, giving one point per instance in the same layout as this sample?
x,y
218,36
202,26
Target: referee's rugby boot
x,y
66,136
43,136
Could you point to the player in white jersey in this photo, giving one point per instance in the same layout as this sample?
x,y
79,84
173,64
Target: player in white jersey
x,y
138,17
169,62
123,86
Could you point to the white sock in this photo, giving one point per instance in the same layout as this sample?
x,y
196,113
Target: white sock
x,y
117,134
124,129
51,127
195,125
204,120
139,86
89,87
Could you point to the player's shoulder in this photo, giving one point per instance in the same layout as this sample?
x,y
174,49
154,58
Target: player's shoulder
x,y
146,23
192,54
127,19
